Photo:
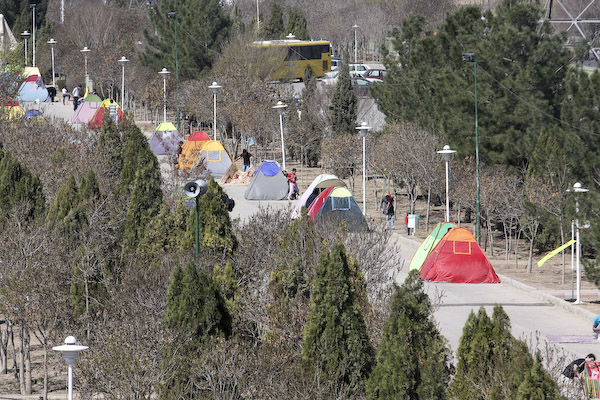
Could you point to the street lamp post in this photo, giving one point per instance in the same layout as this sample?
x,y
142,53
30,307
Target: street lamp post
x,y
70,351
32,6
52,43
85,52
257,17
363,130
123,61
214,88
174,16
470,57
195,190
25,36
355,43
576,190
446,153
164,73
280,107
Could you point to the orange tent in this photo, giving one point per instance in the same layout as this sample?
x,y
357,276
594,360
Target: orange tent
x,y
191,149
458,258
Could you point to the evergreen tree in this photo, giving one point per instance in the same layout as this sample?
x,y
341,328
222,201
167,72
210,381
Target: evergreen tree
x,y
66,215
215,231
336,345
17,187
273,29
413,361
343,104
89,190
199,36
537,384
297,25
136,153
491,362
175,313
20,17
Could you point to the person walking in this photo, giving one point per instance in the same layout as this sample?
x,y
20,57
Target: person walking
x,y
293,186
388,211
246,160
65,94
76,95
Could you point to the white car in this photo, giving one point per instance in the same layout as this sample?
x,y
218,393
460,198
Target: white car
x,y
330,79
357,70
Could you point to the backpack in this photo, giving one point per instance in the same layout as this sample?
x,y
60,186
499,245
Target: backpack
x,y
229,203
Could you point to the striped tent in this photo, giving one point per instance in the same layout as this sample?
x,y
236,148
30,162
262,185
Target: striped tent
x,y
429,244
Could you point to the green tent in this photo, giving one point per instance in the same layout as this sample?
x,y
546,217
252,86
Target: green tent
x,y
429,244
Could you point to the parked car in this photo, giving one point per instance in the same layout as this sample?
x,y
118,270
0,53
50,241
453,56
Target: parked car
x,y
330,79
358,69
335,63
375,75
360,86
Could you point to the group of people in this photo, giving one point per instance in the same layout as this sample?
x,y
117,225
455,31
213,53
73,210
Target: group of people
x,y
76,96
583,367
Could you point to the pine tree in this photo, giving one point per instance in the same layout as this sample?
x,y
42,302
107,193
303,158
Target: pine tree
x,y
199,36
537,384
297,25
66,214
17,187
343,104
413,361
336,345
273,29
491,362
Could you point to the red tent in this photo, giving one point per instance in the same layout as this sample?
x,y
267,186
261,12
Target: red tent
x,y
318,202
198,136
458,258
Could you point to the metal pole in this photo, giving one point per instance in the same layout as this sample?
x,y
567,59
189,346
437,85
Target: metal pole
x,y
26,40
177,74
215,116
197,228
577,252
123,87
53,83
70,382
478,218
62,11
165,99
364,179
355,45
282,144
447,200
572,261
33,60
257,17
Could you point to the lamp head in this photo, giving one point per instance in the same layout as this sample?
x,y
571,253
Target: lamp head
x,y
25,34
52,42
470,57
172,15
164,73
123,60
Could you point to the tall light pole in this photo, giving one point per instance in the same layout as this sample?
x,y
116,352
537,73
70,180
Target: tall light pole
x,y
70,351
576,190
214,88
174,16
258,18
446,153
470,57
85,52
123,60
25,35
164,73
52,43
355,43
32,6
363,130
62,11
280,107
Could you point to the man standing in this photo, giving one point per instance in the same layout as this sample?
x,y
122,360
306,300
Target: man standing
x,y
293,186
388,210
246,159
76,92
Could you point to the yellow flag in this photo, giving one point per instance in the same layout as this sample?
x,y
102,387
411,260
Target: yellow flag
x,y
554,252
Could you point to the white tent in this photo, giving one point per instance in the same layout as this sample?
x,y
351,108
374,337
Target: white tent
x,y
320,183
7,39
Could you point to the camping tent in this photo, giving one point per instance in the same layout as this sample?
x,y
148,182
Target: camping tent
x,y
113,109
85,112
11,111
33,88
268,182
429,244
7,40
191,149
336,204
458,258
320,183
217,159
165,139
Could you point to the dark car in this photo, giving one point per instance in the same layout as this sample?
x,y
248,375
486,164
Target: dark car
x,y
360,86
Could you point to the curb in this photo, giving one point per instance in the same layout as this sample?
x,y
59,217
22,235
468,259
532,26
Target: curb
x,y
548,297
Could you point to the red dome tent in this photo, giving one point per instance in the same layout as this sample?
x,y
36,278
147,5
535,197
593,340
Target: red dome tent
x,y
458,258
336,205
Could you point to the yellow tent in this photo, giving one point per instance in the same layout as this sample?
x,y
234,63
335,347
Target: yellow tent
x,y
210,151
11,111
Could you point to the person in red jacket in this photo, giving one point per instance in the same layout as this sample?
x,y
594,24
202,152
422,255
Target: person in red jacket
x,y
293,186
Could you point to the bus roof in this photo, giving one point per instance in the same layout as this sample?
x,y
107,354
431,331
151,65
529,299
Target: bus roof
x,y
289,42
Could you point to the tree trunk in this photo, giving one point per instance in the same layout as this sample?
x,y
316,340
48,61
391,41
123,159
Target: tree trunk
x,y
4,348
428,206
27,343
22,361
562,240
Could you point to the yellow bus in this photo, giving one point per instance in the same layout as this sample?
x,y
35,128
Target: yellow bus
x,y
297,55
